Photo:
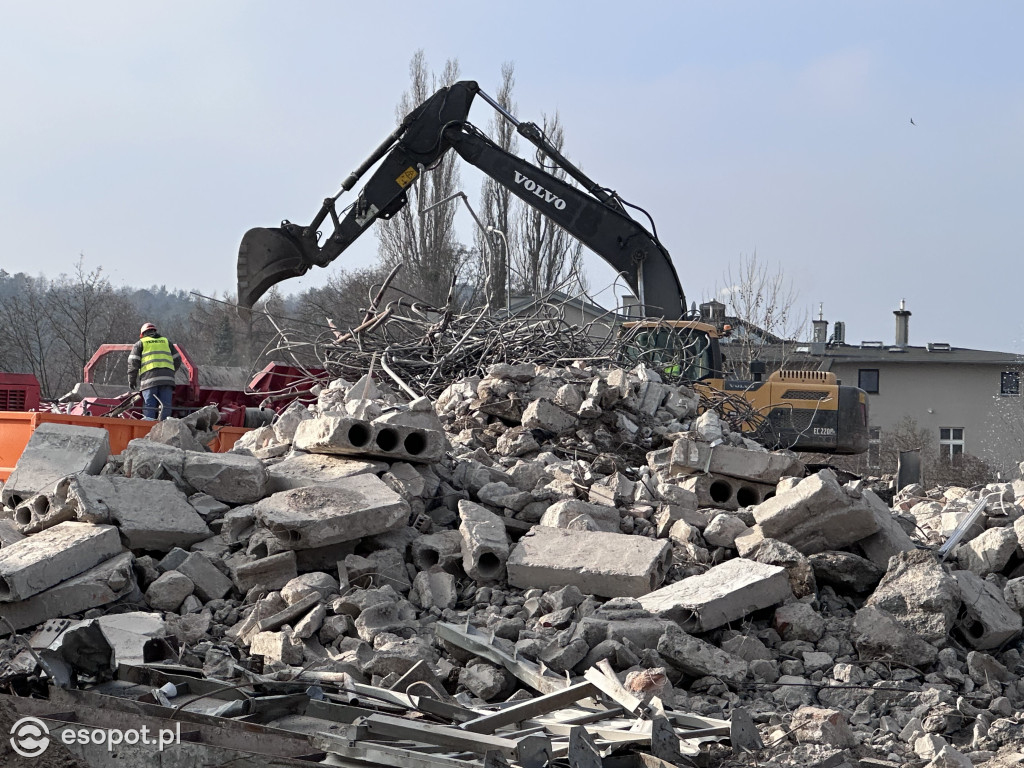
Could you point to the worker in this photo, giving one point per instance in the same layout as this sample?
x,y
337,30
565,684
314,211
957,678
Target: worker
x,y
155,360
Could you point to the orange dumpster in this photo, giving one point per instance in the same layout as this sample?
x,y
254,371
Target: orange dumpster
x,y
16,427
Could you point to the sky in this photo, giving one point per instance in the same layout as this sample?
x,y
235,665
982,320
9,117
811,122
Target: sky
x,y
148,137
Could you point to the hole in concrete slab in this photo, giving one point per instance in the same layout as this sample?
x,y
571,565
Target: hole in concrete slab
x,y
260,550
15,500
415,443
769,495
23,516
430,557
976,629
720,491
358,435
5,589
746,496
387,439
488,564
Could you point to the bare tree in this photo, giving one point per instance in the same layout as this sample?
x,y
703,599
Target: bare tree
x,y
85,312
763,301
25,327
546,256
425,244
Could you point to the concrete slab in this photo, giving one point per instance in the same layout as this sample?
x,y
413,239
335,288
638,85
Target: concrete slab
x,y
39,562
598,563
357,506
724,492
333,433
691,456
151,514
55,451
98,586
725,593
318,469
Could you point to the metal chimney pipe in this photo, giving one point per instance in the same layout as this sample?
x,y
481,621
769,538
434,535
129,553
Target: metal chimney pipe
x,y
902,324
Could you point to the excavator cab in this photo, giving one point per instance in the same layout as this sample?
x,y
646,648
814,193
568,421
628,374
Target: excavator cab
x,y
680,349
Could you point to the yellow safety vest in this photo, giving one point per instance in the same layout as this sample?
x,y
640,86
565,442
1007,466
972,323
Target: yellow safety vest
x,y
156,353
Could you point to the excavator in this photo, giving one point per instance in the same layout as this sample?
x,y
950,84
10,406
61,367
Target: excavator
x,y
800,410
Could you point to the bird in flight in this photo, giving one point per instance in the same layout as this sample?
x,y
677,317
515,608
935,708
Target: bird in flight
x,y
912,121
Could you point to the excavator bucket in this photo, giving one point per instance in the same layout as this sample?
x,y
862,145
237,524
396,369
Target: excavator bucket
x,y
265,258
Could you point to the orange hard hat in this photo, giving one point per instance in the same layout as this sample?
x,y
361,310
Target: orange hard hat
x,y
146,327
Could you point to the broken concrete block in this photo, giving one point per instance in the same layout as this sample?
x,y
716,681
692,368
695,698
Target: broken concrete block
x,y
691,456
317,516
818,725
698,658
876,634
1013,594
175,432
846,572
229,477
151,514
798,567
568,513
484,542
986,621
210,583
321,584
97,586
131,634
598,563
890,538
798,621
52,452
39,562
443,548
723,530
543,414
281,647
989,552
153,461
344,435
434,588
816,515
724,492
918,593
268,573
725,593
169,590
317,469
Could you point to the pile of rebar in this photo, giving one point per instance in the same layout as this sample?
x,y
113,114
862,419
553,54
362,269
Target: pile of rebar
x,y
423,349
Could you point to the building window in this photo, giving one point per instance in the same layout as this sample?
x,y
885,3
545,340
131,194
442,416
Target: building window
x,y
874,447
1009,383
951,442
867,379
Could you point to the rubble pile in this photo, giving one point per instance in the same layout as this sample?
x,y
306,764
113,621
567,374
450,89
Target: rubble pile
x,y
544,563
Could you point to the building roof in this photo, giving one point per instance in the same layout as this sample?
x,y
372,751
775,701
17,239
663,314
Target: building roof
x,y
933,353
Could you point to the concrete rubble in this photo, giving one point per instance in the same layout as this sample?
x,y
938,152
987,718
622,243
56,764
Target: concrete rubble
x,y
539,538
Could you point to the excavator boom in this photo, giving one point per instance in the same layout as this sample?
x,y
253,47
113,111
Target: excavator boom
x,y
592,214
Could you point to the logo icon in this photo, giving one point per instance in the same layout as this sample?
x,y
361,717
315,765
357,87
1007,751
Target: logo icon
x,y
30,737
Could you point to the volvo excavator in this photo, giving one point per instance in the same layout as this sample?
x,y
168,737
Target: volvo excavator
x,y
801,410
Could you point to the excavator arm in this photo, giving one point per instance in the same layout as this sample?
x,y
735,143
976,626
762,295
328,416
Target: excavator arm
x,y
591,213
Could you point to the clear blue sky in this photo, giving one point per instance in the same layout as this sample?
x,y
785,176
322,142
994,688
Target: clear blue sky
x,y
150,136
